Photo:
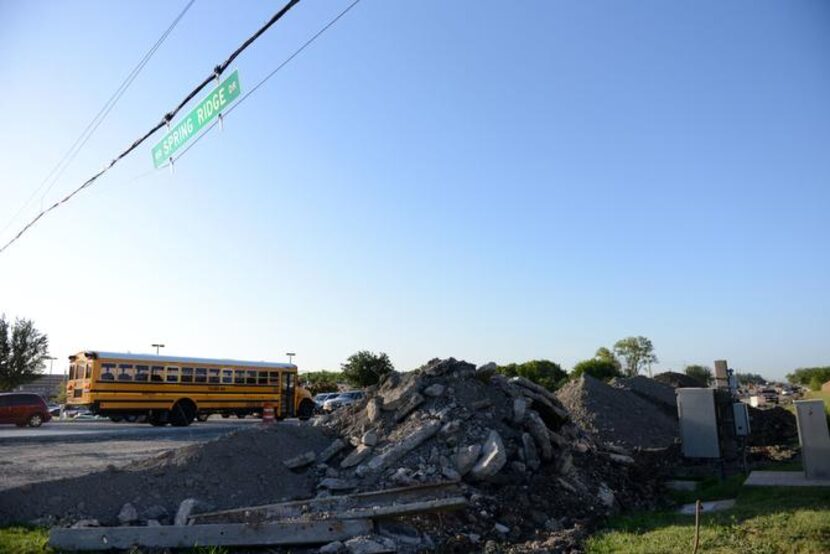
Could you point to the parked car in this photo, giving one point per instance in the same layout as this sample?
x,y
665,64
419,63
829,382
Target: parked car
x,y
23,409
770,396
320,399
342,399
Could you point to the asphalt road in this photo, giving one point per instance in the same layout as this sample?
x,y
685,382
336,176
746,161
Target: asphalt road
x,y
59,450
87,431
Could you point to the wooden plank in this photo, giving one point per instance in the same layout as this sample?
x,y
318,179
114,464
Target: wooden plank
x,y
229,534
298,508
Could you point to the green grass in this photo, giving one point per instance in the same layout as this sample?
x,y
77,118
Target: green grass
x,y
21,539
764,520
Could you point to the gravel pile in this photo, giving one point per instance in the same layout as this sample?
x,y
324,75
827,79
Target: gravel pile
x,y
661,395
618,415
239,469
678,380
774,426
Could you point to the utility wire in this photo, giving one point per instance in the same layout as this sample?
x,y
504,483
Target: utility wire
x,y
264,79
96,121
217,71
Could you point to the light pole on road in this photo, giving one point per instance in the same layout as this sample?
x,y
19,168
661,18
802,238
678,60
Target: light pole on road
x,y
290,356
157,346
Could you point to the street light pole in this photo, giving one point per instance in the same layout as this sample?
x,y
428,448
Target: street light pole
x,y
51,362
157,346
290,356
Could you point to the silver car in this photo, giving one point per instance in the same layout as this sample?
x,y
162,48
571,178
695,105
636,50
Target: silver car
x,y
342,399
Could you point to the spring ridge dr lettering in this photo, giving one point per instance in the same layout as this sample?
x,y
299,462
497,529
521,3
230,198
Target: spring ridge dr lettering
x,y
205,112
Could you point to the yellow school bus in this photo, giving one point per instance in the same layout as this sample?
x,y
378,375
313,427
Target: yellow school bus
x,y
175,390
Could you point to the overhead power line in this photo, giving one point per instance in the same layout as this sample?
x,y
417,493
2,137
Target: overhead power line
x,y
96,121
217,71
285,62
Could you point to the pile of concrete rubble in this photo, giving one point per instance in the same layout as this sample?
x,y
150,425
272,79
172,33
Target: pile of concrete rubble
x,y
534,479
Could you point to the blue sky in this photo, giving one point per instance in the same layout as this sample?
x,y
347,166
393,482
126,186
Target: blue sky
x,y
463,179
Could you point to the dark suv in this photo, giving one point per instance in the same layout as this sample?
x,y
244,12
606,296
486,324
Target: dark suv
x,y
23,409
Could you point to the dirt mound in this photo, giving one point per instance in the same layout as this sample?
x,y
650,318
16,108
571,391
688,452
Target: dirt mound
x,y
659,394
678,380
239,469
772,427
618,415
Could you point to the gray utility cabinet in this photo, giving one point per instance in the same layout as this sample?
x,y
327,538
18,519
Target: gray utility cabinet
x,y
814,438
698,423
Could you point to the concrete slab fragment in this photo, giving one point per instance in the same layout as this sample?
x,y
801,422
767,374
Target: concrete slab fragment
x,y
783,479
709,506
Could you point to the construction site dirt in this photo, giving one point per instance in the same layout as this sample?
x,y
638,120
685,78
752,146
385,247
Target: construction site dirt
x,y
534,471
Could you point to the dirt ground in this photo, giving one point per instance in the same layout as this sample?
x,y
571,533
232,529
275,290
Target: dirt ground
x,y
24,463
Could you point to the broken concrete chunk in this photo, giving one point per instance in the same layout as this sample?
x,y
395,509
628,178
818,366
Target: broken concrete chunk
x,y
302,460
539,432
480,404
450,473
410,403
519,409
128,514
369,438
434,390
365,545
518,466
373,409
493,457
356,456
84,523
397,451
332,548
185,509
153,523
155,512
466,458
621,459
531,455
451,427
334,484
606,495
501,529
331,450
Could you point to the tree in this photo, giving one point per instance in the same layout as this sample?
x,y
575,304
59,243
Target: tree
x,y
810,376
638,352
701,373
322,381
750,379
543,372
23,350
598,368
365,368
608,356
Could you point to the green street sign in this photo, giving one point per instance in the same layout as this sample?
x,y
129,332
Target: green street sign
x,y
205,112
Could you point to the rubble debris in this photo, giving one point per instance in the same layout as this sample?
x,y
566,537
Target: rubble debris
x,y
331,450
184,511
660,394
128,514
774,426
617,415
356,456
493,457
304,459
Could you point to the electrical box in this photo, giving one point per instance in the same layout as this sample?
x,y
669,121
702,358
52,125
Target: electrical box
x,y
698,423
741,419
814,438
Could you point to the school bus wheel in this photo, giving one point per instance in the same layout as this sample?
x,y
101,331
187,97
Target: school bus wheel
x,y
182,413
306,409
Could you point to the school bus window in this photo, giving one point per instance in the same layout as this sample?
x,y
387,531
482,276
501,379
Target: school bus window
x,y
106,372
239,377
88,374
227,376
187,375
213,375
201,375
273,377
172,374
263,378
142,372
157,374
251,379
125,372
